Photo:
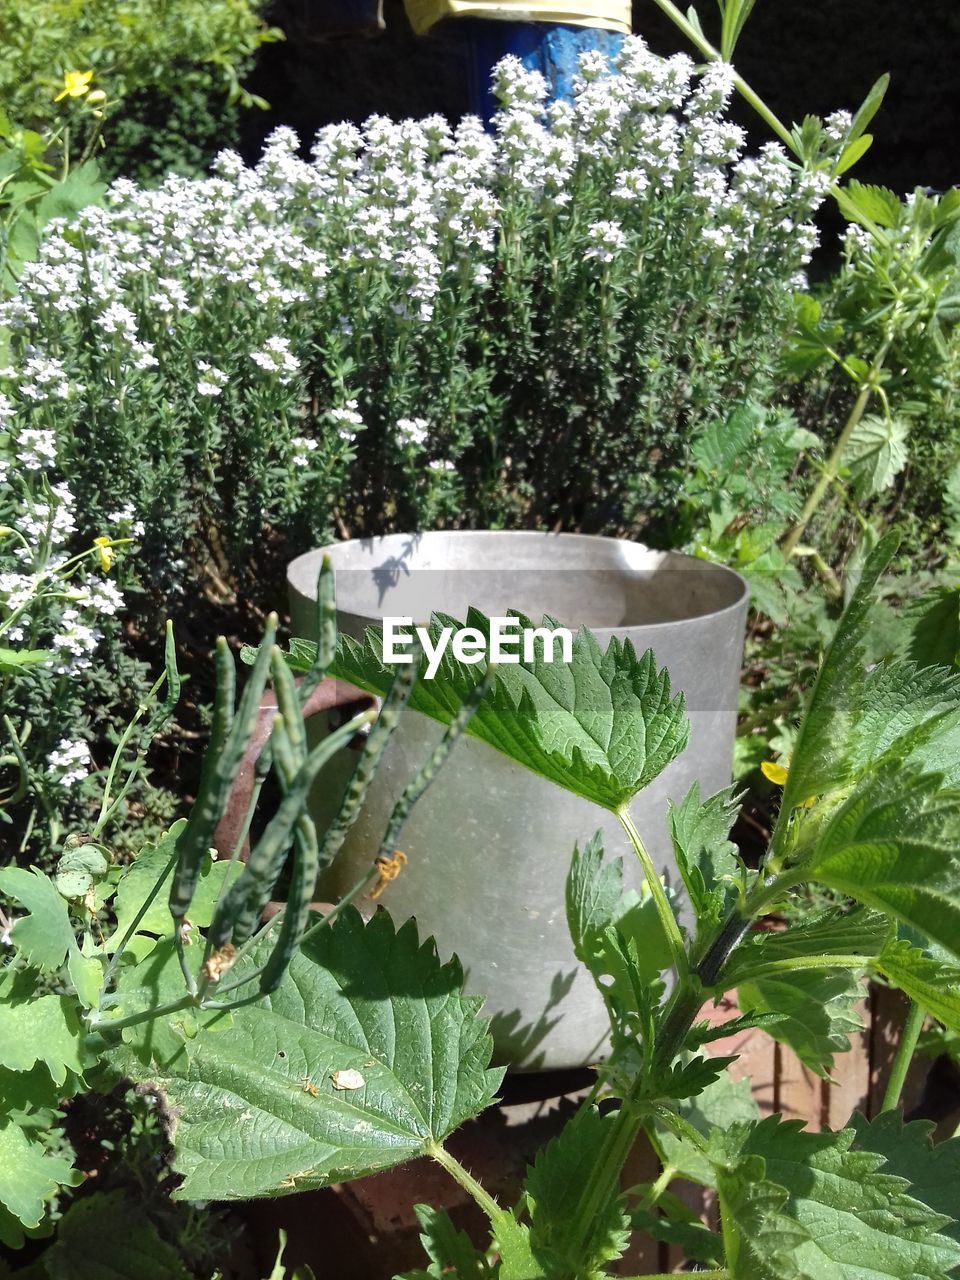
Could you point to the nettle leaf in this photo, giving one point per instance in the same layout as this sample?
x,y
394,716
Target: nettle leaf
x,y
258,1111
933,1171
894,845
107,1237
553,1187
29,1176
41,1029
603,726
925,979
676,1223
933,625
876,453
617,935
905,710
869,205
44,936
861,1221
816,1007
761,1238
825,741
450,1251
724,1103
859,933
707,860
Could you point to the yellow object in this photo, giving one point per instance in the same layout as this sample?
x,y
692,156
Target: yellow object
x,y
105,551
773,772
609,15
75,84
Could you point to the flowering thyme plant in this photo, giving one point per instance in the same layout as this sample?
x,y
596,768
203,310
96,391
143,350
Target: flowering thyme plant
x,y
57,606
422,324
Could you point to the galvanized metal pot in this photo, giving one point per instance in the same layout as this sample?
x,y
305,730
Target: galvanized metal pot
x,y
489,845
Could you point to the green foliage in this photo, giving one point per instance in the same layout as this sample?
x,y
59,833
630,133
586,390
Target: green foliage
x,y
356,1071
365,1052
552,1190
807,1204
106,1235
188,55
603,726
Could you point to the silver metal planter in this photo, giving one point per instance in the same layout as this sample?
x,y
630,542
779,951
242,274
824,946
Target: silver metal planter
x,y
489,845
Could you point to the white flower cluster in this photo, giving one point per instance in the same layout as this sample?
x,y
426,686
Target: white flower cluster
x,y
48,598
286,288
69,762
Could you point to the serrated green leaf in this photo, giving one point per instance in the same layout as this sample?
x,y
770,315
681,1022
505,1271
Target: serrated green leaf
x,y
933,627
706,858
819,1005
859,933
617,935
450,1251
677,1224
869,205
45,935
29,1174
822,756
722,1104
761,1239
925,979
368,999
43,1029
553,1187
603,726
107,1237
894,845
875,454
933,1170
861,1221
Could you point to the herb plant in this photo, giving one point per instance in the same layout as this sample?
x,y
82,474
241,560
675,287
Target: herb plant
x,y
482,327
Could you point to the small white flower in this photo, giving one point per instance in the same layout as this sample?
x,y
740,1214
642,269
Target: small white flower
x,y
303,446
413,431
36,448
346,419
607,239
69,762
275,357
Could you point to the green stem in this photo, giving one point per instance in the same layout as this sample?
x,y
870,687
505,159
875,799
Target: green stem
x,y
99,1023
707,49
667,919
832,468
465,1179
722,1274
904,1056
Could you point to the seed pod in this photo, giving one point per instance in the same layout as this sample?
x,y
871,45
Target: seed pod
x,y
426,775
303,876
241,907
225,755
192,847
370,757
326,624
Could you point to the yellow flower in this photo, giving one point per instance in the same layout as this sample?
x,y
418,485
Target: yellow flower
x,y
777,774
75,84
106,552
774,772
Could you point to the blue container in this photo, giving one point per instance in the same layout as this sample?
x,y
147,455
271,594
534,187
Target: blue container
x,y
553,49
